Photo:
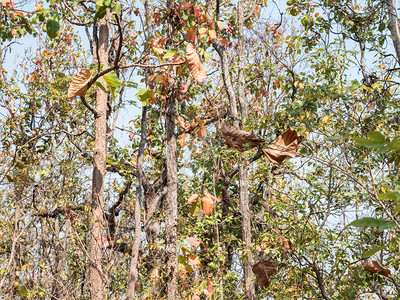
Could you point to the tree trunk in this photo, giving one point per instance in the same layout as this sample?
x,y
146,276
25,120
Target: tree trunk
x,y
394,26
243,167
99,166
172,173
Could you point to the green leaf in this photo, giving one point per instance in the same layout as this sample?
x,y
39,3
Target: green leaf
x,y
169,53
194,211
206,57
360,140
391,195
116,7
373,222
101,12
376,136
99,3
382,26
397,209
337,138
372,251
22,292
100,85
393,145
144,94
182,260
113,82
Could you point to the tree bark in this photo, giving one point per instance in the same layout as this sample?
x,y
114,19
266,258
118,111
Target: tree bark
x,y
99,167
243,167
172,172
394,26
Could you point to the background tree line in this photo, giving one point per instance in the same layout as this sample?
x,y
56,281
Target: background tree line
x,y
265,153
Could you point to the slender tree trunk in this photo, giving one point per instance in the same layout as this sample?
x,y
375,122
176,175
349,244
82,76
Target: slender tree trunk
x,y
172,174
99,166
243,168
394,26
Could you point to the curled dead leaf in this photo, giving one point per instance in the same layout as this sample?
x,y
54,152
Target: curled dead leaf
x,y
194,241
286,146
239,139
78,86
192,198
194,262
264,269
196,68
285,242
206,193
374,267
208,205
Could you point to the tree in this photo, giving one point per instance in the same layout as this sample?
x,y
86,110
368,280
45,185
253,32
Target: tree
x,y
258,157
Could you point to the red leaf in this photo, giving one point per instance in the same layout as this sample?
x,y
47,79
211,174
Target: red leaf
x,y
264,270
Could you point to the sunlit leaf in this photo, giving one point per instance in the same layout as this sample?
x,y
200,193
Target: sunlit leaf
x,y
78,86
286,146
196,68
372,251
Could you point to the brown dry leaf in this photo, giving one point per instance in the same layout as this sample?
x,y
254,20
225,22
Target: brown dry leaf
x,y
192,198
286,146
285,242
374,267
212,34
194,262
264,269
206,193
239,139
196,68
78,86
208,205
182,139
194,241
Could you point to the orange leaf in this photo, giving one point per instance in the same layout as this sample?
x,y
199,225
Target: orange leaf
x,y
206,193
192,198
239,139
212,35
374,267
196,68
78,86
286,146
264,270
208,205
